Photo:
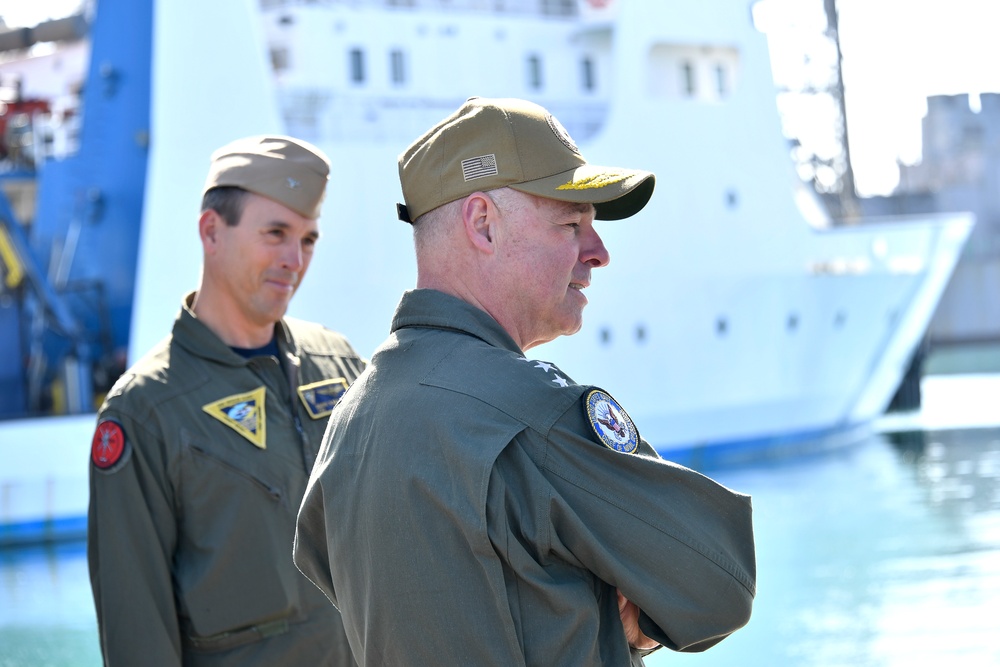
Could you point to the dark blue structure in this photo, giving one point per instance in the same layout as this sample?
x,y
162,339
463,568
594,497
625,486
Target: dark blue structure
x,y
64,325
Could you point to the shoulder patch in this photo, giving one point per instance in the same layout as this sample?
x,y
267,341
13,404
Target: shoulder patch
x,y
319,398
108,446
610,422
244,413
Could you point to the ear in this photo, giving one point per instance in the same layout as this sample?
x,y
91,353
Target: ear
x,y
479,215
208,229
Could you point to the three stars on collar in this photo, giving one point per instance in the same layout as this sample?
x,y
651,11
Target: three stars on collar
x,y
547,367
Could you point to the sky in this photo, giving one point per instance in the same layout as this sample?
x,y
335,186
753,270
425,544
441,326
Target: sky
x,y
17,13
896,54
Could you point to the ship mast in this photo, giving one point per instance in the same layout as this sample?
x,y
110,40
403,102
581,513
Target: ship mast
x,y
849,208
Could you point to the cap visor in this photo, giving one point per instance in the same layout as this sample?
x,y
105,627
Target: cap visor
x,y
615,193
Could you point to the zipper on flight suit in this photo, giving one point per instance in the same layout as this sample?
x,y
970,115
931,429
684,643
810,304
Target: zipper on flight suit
x,y
272,491
291,367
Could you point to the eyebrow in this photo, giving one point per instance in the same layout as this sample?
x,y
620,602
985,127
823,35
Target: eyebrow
x,y
281,224
577,207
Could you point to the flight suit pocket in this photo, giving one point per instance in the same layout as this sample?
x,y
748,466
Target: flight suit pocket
x,y
236,580
238,637
227,468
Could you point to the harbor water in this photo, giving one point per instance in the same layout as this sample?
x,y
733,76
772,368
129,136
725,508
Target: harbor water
x,y
884,552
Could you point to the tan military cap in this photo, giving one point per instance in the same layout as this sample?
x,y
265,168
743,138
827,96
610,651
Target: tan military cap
x,y
287,170
495,143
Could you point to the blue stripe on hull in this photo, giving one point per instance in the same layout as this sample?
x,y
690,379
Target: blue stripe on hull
x,y
760,449
37,532
731,453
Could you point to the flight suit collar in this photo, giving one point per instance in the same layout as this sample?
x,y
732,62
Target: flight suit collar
x,y
431,308
191,333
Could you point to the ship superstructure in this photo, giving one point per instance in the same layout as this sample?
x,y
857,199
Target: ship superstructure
x,y
731,313
731,320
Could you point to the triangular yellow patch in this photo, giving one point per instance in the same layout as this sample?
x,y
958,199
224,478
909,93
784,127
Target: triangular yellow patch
x,y
244,413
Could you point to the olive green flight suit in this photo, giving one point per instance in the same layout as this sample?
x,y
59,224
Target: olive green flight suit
x,y
192,515
465,511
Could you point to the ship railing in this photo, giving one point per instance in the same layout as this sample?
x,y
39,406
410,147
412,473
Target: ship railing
x,y
319,115
550,8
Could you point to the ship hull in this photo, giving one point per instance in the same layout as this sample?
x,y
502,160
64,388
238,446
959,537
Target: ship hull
x,y
728,326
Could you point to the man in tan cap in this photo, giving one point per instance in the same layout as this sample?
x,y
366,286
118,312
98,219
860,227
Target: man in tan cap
x,y
473,507
203,448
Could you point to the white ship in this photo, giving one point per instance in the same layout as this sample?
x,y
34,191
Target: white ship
x,y
733,320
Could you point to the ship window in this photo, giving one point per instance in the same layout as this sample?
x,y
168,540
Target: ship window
x,y
535,72
687,75
703,72
279,59
587,72
559,7
357,61
397,67
720,81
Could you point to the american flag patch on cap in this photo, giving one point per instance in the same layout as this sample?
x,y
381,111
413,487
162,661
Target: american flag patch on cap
x,y
477,167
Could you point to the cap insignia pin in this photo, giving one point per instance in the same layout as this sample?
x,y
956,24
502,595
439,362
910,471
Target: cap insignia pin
x,y
561,133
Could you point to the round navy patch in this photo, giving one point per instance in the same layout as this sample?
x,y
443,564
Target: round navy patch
x,y
611,423
108,444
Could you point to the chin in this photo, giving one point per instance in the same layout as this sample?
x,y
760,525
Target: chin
x,y
566,331
573,326
276,312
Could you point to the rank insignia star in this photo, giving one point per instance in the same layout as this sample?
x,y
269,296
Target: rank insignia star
x,y
549,367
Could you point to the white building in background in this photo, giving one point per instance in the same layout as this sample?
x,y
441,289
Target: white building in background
x,y
960,171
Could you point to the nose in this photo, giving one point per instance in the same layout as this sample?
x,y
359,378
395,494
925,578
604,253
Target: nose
x,y
592,250
292,257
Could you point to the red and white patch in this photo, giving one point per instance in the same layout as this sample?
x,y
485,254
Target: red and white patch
x,y
108,445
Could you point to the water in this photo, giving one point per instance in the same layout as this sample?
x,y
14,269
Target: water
x,y
883,553
887,553
46,610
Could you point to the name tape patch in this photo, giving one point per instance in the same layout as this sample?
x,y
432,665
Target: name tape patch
x,y
319,398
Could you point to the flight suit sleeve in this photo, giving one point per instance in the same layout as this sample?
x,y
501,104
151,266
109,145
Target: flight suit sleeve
x,y
131,535
310,548
673,541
